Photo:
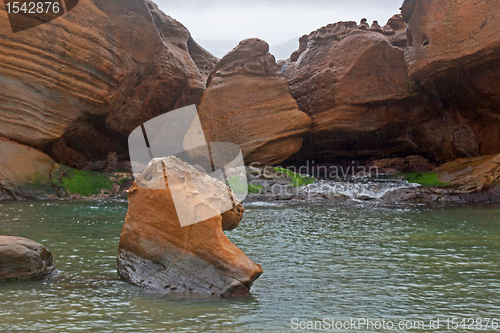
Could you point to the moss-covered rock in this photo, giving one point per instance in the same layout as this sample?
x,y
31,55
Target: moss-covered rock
x,y
297,178
72,182
424,179
24,172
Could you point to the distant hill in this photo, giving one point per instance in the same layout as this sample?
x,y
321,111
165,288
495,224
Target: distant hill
x,y
220,47
284,50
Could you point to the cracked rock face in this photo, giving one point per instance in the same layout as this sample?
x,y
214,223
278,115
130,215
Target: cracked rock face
x,y
158,254
23,259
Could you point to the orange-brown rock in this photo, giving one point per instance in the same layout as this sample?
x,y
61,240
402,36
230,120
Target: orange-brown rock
x,y
27,173
449,34
413,163
454,54
95,73
157,253
353,83
476,174
247,103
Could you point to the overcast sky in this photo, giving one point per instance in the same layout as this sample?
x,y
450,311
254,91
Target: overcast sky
x,y
275,21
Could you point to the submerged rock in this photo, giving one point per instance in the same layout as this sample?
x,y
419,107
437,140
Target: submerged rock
x,y
23,259
157,253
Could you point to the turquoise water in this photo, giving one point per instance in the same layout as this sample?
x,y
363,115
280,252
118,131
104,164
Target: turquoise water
x,y
354,260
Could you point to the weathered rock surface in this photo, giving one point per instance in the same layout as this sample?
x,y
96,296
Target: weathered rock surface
x,y
157,253
24,172
23,259
454,54
391,166
76,86
433,195
352,80
247,103
353,84
468,180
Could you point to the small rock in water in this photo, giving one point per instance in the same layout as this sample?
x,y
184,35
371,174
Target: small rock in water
x,y
23,259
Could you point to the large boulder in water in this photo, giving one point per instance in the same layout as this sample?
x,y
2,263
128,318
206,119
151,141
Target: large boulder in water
x,y
247,103
159,254
23,259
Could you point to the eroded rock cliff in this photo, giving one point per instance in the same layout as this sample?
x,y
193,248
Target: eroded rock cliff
x,y
454,54
376,92
353,83
76,86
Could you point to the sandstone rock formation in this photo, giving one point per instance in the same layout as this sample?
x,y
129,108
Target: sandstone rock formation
x,y
454,54
157,253
353,81
247,103
467,180
77,85
24,172
412,163
23,259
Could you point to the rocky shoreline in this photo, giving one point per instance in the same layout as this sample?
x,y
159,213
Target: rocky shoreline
x,y
475,180
411,179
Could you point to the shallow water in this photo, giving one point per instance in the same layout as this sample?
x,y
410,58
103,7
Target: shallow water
x,y
357,187
354,260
